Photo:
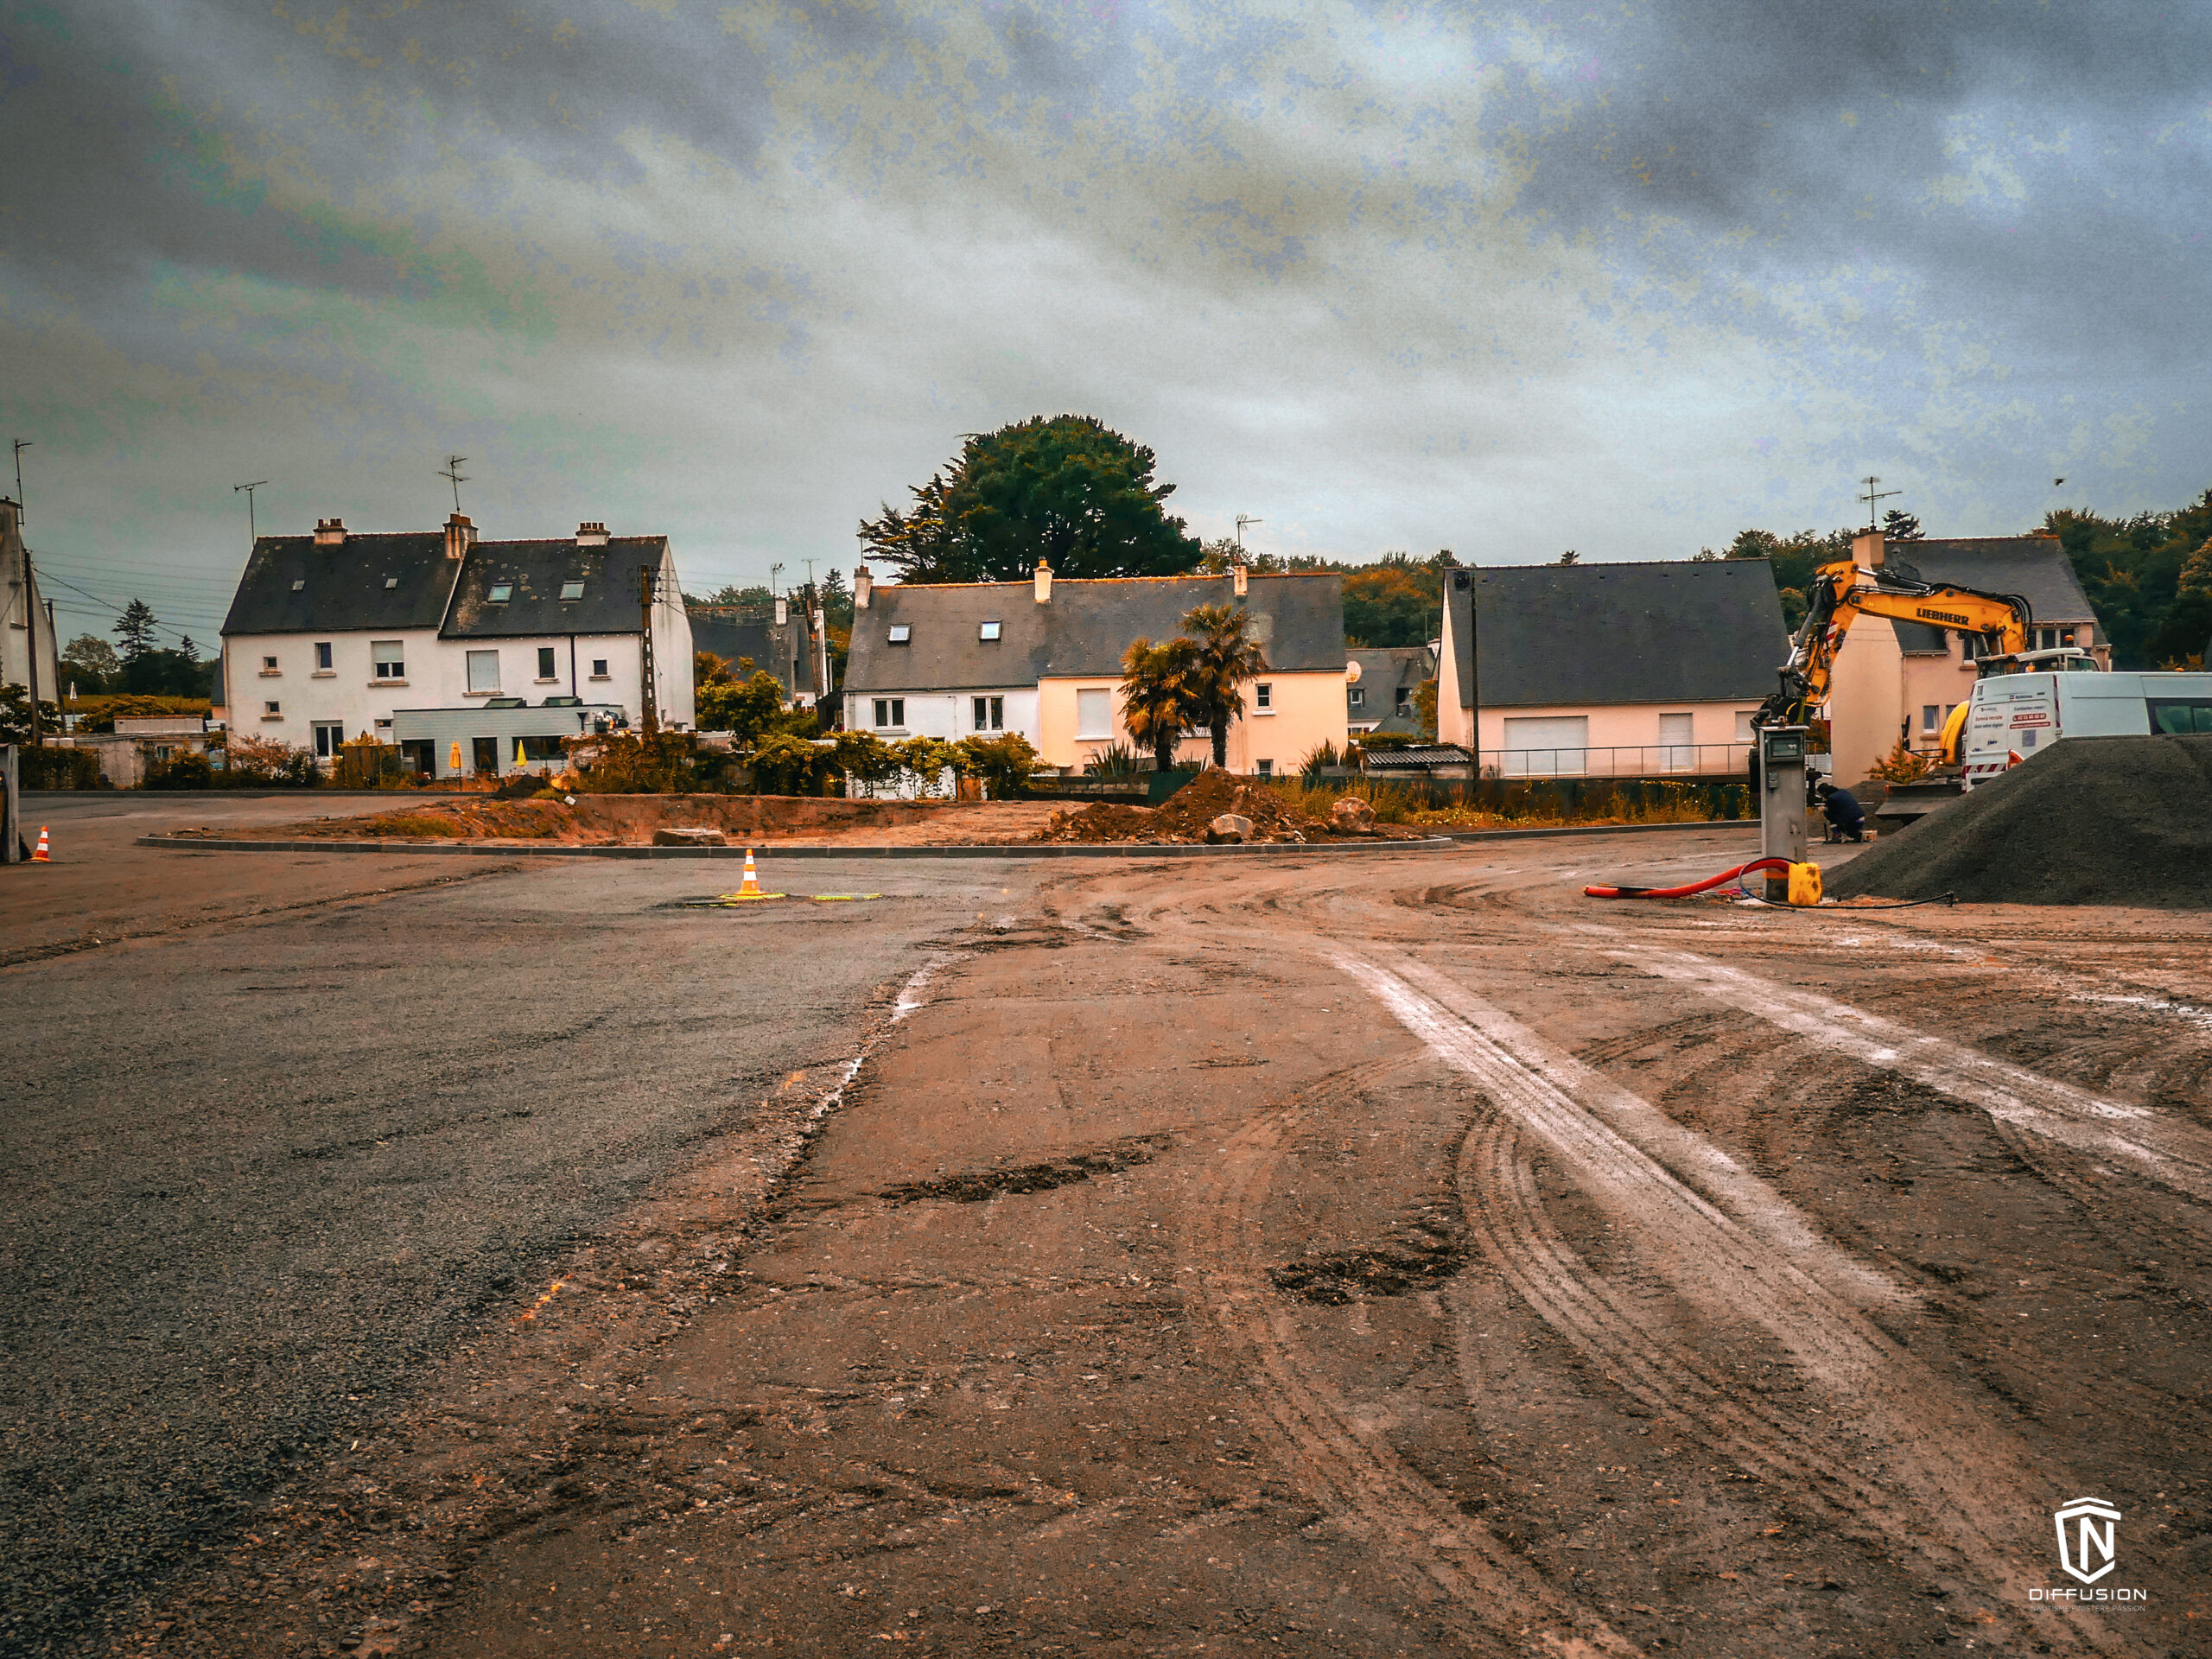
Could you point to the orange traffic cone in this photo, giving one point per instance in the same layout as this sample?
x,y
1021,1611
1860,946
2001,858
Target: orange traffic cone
x,y
42,856
748,888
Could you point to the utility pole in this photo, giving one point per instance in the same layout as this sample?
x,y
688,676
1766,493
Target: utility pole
x,y
30,599
22,444
646,580
251,534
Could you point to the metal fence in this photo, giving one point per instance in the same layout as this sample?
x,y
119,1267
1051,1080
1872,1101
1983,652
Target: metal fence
x,y
1647,760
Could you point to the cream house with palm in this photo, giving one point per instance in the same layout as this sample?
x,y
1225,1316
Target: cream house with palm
x,y
1043,658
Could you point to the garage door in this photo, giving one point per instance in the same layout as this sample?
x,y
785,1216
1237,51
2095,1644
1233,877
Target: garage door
x,y
1549,746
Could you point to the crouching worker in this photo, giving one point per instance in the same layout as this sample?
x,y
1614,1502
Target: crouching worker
x,y
1847,819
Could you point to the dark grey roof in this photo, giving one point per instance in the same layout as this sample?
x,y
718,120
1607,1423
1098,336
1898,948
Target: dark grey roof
x,y
341,588
1418,758
730,633
2034,567
536,571
1083,633
1699,630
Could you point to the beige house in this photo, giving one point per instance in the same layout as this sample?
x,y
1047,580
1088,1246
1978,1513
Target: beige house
x,y
1043,657
1609,671
1902,680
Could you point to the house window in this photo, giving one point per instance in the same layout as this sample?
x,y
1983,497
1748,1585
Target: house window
x,y
901,633
599,668
501,592
322,656
1744,724
891,711
1358,696
988,631
269,664
1094,713
271,711
1263,698
329,738
572,590
1931,717
388,658
990,714
1266,768
483,670
1677,752
545,662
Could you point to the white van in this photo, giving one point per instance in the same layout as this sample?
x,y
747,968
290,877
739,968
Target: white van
x,y
2014,714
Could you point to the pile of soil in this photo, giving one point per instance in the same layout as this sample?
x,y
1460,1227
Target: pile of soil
x,y
2089,821
1183,817
609,820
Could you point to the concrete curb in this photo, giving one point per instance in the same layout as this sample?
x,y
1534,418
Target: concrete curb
x,y
816,849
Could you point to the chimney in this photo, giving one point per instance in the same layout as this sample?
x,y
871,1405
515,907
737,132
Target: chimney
x,y
591,533
461,536
863,585
330,532
1044,582
1239,573
782,611
1866,549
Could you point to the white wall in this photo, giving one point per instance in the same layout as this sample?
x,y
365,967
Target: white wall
x,y
947,715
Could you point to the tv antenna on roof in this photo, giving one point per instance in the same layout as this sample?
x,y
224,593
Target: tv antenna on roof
x,y
1873,497
1242,520
258,483
452,470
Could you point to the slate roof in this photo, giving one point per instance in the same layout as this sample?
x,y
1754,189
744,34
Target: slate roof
x,y
1385,672
1697,630
2035,567
1081,633
342,588
731,633
536,571
291,585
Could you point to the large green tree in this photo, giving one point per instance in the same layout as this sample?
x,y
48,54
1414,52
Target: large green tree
x,y
1068,489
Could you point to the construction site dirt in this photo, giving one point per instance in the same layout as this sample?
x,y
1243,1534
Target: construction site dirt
x,y
1398,1255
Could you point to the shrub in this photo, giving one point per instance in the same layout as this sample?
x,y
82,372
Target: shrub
x,y
184,770
783,765
366,764
45,768
1901,766
1006,763
261,763
97,714
630,763
1115,761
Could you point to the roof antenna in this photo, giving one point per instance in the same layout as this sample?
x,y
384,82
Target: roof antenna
x,y
1874,498
452,470
250,536
1242,520
21,445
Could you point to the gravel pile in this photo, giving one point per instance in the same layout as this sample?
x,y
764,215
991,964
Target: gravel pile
x,y
2089,821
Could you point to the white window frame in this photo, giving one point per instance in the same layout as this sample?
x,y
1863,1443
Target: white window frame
x,y
388,662
328,736
549,666
1359,696
1263,697
475,659
899,633
272,710
989,630
989,713
268,669
326,657
1931,719
890,714
1089,702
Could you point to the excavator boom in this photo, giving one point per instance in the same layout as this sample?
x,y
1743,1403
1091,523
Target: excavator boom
x,y
1844,592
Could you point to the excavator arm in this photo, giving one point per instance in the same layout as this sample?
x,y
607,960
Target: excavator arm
x,y
1844,592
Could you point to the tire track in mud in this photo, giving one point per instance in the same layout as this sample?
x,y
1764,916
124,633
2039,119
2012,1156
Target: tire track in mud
x,y
2151,1143
1904,1451
1347,1465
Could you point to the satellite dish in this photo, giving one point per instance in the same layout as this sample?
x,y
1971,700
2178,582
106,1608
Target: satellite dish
x,y
1351,670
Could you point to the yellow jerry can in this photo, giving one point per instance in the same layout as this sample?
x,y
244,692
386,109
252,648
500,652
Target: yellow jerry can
x,y
1804,884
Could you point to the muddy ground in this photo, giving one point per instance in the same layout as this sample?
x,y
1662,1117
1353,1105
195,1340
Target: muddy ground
x,y
1393,1256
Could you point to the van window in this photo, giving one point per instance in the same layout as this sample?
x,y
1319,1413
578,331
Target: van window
x,y
2177,717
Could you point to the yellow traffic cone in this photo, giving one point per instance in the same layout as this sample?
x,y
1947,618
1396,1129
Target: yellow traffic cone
x,y
42,856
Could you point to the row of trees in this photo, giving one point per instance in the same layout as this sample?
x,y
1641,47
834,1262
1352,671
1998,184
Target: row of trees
x,y
143,668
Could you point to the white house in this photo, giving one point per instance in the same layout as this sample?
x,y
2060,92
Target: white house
x,y
330,636
29,656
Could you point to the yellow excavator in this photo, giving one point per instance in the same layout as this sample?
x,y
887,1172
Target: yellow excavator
x,y
1843,592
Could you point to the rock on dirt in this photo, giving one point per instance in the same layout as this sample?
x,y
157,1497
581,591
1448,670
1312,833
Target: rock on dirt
x,y
1351,815
690,838
1230,827
2089,821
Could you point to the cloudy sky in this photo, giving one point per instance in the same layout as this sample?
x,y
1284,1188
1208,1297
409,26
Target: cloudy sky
x,y
1510,279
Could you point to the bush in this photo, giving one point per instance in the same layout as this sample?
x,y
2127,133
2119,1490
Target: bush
x,y
97,714
630,763
183,770
45,768
785,764
1115,761
264,763
366,764
1005,763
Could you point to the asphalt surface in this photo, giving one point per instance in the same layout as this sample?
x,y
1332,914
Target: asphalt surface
x,y
315,1121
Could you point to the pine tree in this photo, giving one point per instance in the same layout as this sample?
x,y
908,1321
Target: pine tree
x,y
135,627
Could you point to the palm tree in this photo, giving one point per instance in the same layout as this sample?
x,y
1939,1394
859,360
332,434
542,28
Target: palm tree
x,y
1222,659
1158,702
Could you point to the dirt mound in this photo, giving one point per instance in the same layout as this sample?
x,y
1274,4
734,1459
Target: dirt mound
x,y
1185,815
613,820
2089,821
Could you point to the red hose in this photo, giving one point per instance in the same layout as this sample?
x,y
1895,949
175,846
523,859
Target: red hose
x,y
1695,886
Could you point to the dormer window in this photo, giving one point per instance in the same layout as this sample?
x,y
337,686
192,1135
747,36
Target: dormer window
x,y
572,590
501,592
390,582
988,631
901,633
